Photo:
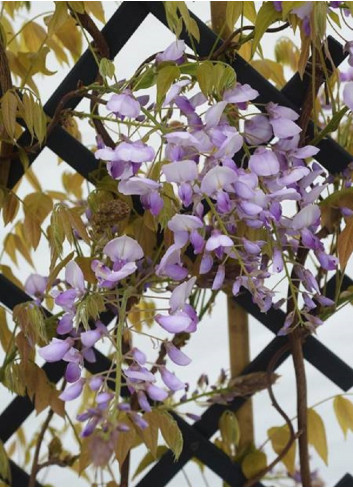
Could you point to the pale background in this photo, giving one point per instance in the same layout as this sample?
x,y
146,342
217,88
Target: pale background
x,y
208,347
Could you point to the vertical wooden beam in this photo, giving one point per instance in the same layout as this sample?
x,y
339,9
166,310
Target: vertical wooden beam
x,y
238,328
239,353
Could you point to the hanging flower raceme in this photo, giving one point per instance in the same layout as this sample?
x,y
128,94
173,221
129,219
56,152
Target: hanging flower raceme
x,y
224,196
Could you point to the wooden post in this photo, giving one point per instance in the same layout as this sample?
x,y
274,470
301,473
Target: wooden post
x,y
238,328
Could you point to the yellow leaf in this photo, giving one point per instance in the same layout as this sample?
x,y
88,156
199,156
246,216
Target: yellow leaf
x,y
96,9
33,35
271,70
9,110
33,180
38,205
32,230
58,19
28,105
10,207
85,264
77,224
344,413
253,463
5,471
70,36
317,434
124,443
55,272
39,122
345,243
5,333
77,7
7,272
279,436
72,183
149,435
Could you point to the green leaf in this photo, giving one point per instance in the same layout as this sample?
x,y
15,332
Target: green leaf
x,y
233,12
344,413
265,17
331,126
170,431
317,434
106,68
149,459
165,77
204,77
279,436
287,7
253,463
230,430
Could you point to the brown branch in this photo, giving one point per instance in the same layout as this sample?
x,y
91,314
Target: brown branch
x,y
228,42
35,466
292,435
103,51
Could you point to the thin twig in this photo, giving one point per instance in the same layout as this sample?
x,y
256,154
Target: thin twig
x,y
292,435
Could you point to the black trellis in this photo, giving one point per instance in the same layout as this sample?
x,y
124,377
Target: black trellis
x,y
332,156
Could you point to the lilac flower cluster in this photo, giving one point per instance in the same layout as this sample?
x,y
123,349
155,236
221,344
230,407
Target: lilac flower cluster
x,y
252,215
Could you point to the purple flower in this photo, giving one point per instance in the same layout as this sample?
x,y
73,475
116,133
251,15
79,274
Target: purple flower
x,y
180,295
56,350
72,391
175,323
182,225
137,374
171,265
147,189
264,162
216,179
124,104
218,240
219,278
308,216
124,249
174,52
257,130
90,338
348,95
180,171
171,380
138,356
36,285
65,324
73,372
240,94
156,393
176,355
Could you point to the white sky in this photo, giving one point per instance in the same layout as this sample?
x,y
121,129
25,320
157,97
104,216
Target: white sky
x,y
208,347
